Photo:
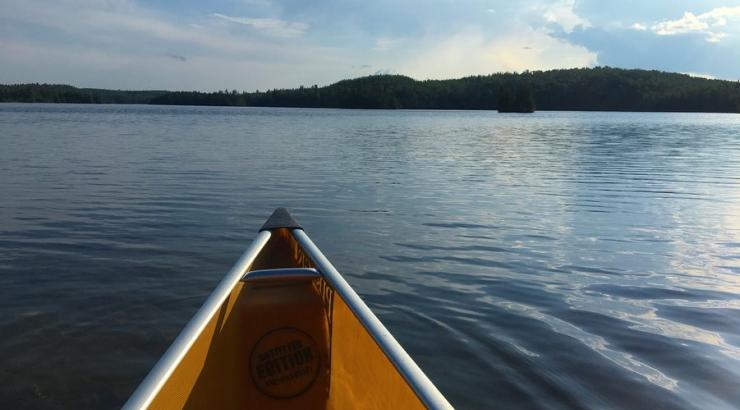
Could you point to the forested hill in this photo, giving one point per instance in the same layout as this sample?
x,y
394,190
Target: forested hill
x,y
587,89
59,93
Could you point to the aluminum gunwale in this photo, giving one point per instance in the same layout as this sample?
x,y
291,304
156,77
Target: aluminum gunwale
x,y
156,378
420,383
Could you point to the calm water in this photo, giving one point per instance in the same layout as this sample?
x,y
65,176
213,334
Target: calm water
x,y
555,260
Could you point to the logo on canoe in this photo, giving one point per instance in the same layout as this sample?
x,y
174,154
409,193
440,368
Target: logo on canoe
x,y
285,362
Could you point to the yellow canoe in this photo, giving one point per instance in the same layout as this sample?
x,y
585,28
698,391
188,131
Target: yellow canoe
x,y
284,330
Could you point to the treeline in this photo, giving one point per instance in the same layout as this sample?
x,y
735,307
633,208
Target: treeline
x,y
585,89
59,93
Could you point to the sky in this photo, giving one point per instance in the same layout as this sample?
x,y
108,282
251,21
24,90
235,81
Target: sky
x,y
263,44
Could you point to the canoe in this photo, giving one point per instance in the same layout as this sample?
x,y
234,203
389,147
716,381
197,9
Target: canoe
x,y
285,330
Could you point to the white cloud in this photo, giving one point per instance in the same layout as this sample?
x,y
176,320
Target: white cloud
x,y
134,44
718,17
704,23
469,52
686,24
715,37
269,26
563,14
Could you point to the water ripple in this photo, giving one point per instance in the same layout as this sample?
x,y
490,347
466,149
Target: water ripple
x,y
558,261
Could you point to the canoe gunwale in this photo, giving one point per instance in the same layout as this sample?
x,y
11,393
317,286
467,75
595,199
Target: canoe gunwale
x,y
425,390
160,373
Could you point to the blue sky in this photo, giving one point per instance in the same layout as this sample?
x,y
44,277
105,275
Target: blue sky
x,y
261,44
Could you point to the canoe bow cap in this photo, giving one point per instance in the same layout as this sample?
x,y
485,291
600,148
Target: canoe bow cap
x,y
280,218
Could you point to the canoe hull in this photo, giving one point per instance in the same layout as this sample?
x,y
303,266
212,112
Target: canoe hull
x,y
282,336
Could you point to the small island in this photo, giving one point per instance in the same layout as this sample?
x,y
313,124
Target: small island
x,y
517,98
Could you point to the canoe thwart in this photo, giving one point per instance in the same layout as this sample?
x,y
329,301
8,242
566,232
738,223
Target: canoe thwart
x,y
284,273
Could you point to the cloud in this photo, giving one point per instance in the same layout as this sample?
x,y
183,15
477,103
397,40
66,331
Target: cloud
x,y
469,52
93,41
704,23
686,24
715,37
629,48
275,27
259,43
117,26
563,14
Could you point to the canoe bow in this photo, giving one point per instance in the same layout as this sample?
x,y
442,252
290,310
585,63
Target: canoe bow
x,y
284,329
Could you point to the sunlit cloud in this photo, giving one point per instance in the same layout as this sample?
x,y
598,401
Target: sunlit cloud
x,y
469,51
705,23
563,14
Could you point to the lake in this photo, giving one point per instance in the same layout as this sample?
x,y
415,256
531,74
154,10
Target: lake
x,y
558,260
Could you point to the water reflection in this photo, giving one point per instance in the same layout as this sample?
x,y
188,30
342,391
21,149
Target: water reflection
x,y
562,260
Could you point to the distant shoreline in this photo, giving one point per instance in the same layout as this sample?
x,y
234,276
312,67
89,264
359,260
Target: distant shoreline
x,y
585,89
359,109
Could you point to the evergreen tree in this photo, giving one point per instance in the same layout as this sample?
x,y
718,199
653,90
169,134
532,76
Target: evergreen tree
x,y
599,88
